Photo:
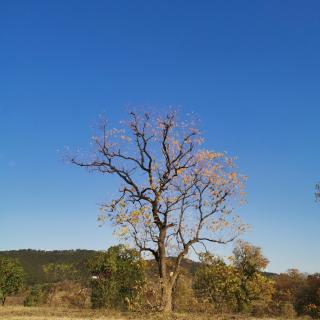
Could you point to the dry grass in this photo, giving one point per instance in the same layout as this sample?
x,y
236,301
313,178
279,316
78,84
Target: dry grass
x,y
43,313
47,313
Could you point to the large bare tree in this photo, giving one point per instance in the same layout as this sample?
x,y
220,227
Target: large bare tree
x,y
175,196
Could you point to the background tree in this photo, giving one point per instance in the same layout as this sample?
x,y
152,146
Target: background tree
x,y
299,291
11,278
248,259
288,286
117,277
174,195
317,191
308,298
239,286
254,286
217,282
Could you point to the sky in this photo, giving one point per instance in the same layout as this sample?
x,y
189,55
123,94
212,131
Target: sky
x,y
250,70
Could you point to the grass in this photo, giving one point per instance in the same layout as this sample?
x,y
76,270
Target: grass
x,y
52,313
44,313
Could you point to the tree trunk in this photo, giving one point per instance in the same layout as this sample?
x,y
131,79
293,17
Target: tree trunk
x,y
52,293
3,301
165,281
166,297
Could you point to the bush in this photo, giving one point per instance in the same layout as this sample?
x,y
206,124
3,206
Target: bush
x,y
76,299
259,309
312,310
218,284
117,278
184,297
287,310
35,297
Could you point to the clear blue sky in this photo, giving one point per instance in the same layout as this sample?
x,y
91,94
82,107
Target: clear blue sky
x,y
249,69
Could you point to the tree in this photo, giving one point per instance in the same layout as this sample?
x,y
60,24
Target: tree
x,y
257,294
239,286
317,192
308,296
11,277
217,282
118,274
299,290
254,286
174,195
248,259
289,286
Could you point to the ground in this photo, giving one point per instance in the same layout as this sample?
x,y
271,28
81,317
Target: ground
x,y
35,313
46,313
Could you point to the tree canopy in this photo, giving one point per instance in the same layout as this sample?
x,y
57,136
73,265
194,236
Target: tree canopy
x,y
117,276
175,195
11,277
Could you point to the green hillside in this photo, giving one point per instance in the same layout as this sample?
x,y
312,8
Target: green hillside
x,y
33,260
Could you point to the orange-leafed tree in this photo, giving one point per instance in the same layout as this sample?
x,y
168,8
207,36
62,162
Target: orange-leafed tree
x,y
175,196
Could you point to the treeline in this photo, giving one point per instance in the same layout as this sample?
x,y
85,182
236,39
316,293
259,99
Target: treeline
x,y
33,261
120,279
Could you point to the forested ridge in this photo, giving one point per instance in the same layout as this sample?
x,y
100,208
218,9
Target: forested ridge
x,y
33,261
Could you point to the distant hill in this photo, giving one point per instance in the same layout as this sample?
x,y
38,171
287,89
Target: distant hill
x,y
33,260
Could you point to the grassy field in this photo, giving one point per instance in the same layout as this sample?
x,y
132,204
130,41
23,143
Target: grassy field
x,y
37,313
45,313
